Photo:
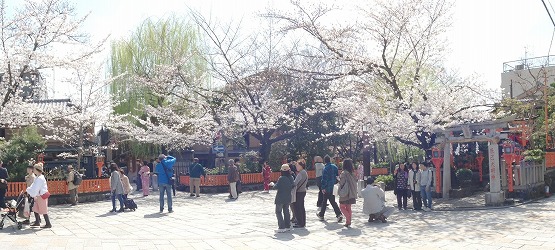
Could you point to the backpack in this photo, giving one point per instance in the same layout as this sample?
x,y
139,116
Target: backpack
x,y
77,178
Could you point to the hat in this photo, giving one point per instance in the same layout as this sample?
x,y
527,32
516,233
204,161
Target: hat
x,y
285,167
39,167
161,157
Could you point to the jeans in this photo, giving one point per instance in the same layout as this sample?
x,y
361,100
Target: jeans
x,y
331,198
416,200
300,211
402,195
426,196
120,198
167,188
282,214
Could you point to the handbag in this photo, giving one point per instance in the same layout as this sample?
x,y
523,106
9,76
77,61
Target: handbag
x,y
344,190
335,189
27,208
45,195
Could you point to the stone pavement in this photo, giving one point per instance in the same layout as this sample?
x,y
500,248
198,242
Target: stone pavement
x,y
213,222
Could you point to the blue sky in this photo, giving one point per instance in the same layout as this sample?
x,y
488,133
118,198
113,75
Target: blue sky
x,y
484,35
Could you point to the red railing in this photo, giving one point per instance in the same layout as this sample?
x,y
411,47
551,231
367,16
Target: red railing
x,y
550,159
221,180
60,187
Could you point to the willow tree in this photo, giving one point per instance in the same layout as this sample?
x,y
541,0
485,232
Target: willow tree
x,y
155,43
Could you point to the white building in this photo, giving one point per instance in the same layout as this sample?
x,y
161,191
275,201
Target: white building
x,y
524,78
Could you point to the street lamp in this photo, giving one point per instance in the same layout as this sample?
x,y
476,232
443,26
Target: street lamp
x,y
99,164
509,156
437,159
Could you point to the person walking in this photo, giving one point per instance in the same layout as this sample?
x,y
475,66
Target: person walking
x,y
73,189
116,187
164,168
414,185
195,172
127,188
138,178
232,178
293,170
300,192
347,190
425,187
319,168
144,173
284,185
374,202
266,175
329,178
39,190
153,174
3,184
401,178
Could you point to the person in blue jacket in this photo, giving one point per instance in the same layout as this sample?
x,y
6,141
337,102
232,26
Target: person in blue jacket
x,y
164,168
329,178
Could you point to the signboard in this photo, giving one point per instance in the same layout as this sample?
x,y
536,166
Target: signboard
x,y
218,148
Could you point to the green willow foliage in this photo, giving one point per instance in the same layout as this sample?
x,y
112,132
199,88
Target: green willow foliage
x,y
155,43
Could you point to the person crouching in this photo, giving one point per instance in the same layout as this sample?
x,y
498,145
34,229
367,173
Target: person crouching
x,y
374,202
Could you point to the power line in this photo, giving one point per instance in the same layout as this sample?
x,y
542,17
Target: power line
x,y
548,13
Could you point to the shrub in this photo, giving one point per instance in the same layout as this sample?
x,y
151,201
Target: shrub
x,y
464,174
385,179
21,151
534,155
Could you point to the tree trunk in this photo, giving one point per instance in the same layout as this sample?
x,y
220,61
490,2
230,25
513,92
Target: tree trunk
x,y
265,148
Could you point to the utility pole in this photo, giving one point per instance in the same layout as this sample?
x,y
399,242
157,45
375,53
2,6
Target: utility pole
x,y
545,109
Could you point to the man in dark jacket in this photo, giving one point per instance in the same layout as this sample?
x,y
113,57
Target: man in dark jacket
x,y
329,178
3,184
195,171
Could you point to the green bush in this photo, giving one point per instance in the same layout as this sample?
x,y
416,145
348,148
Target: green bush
x,y
384,178
21,151
464,174
534,155
381,165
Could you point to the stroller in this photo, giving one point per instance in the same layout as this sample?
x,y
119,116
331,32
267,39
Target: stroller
x,y
11,212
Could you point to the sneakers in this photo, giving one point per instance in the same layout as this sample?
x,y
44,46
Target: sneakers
x,y
339,218
198,195
281,230
191,195
320,217
170,211
427,209
347,225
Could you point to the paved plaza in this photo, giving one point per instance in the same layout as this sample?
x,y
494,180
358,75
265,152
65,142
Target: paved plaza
x,y
213,222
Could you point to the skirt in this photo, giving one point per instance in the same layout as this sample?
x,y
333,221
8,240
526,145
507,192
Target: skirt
x,y
41,205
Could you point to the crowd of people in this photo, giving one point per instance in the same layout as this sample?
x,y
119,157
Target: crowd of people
x,y
414,181
291,191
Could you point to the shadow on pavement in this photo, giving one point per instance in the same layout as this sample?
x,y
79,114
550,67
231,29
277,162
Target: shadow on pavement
x,y
332,226
301,232
154,215
287,236
353,232
107,214
231,200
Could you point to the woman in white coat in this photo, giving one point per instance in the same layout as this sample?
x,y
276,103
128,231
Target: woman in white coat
x,y
39,191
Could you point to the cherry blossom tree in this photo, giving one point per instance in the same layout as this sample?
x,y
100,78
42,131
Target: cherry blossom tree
x,y
388,59
34,36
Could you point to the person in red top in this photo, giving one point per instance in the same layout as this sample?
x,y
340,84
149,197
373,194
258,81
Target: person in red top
x,y
266,173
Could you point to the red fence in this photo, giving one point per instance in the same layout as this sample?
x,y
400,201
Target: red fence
x,y
549,159
255,178
60,187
